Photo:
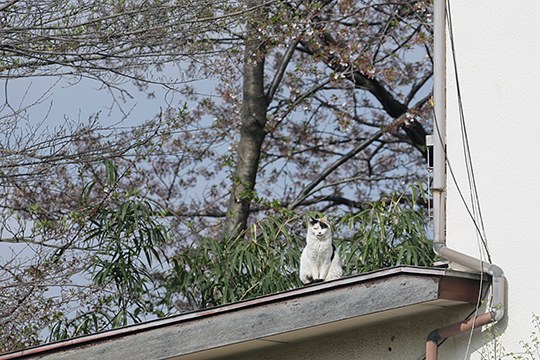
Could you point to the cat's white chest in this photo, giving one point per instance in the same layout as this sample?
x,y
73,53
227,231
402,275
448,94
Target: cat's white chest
x,y
319,251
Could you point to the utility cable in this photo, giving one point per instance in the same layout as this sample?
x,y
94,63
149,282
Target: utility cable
x,y
456,184
475,201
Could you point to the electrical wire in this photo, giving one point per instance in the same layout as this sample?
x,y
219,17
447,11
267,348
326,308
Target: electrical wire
x,y
456,184
475,201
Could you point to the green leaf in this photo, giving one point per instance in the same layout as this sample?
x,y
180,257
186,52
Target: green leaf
x,y
111,173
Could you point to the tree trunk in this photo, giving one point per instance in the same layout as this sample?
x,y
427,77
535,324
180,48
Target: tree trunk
x,y
252,134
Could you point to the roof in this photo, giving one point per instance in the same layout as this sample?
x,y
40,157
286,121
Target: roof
x,y
282,317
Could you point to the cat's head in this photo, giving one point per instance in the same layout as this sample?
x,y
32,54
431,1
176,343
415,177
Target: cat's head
x,y
320,227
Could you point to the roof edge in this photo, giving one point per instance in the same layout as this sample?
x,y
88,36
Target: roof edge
x,y
258,301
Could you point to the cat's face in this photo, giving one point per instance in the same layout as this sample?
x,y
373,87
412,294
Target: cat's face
x,y
319,227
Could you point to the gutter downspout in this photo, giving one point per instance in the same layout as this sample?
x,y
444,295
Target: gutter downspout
x,y
496,311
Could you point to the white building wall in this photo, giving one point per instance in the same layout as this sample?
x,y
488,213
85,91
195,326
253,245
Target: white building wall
x,y
498,57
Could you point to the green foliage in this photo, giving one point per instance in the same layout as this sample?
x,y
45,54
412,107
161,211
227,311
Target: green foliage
x,y
389,232
128,238
124,237
219,271
83,324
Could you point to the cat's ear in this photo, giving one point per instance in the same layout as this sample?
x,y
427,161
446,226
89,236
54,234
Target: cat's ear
x,y
325,223
312,221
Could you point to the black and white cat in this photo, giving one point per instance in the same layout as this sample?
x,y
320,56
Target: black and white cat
x,y
320,260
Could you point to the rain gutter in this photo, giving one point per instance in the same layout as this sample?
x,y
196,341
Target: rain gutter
x,y
496,310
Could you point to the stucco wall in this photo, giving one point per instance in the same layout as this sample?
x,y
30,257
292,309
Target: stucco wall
x,y
498,57
403,339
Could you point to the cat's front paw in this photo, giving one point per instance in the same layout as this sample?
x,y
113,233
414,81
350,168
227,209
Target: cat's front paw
x,y
311,280
306,280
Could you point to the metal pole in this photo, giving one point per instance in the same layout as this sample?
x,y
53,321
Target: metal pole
x,y
439,123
